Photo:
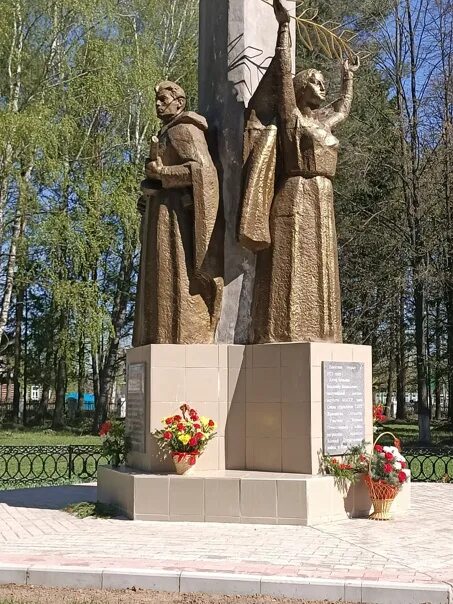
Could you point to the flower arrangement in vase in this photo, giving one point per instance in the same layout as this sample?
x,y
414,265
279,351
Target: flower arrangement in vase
x,y
384,471
387,472
185,437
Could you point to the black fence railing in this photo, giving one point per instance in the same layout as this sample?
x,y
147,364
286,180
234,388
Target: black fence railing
x,y
38,464
428,465
59,464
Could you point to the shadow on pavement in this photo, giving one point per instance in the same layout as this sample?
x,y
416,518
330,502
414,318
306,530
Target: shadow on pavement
x,y
49,498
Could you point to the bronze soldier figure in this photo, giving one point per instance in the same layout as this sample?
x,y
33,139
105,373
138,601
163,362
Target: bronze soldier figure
x,y
180,286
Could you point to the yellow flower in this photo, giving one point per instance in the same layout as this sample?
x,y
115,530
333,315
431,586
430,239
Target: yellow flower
x,y
184,438
204,420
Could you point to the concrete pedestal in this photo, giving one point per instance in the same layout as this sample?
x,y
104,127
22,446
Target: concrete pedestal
x,y
266,400
236,496
263,464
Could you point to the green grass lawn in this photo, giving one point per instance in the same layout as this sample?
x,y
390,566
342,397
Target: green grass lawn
x,y
407,432
39,436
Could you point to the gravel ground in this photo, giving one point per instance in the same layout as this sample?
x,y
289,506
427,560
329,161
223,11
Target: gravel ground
x,y
12,594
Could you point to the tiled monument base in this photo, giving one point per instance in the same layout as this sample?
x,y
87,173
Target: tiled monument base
x,y
266,400
236,496
263,464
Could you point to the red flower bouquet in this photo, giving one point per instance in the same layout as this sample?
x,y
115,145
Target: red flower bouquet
x,y
115,442
388,465
378,414
185,437
385,471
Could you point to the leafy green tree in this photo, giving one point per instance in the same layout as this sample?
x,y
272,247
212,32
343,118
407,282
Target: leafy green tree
x,y
78,87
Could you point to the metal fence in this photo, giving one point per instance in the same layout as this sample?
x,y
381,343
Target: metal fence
x,y
428,465
39,464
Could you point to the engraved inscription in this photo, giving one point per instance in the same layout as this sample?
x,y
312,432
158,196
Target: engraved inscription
x,y
136,378
135,410
344,406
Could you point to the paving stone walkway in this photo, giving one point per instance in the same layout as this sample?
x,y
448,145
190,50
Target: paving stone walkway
x,y
416,548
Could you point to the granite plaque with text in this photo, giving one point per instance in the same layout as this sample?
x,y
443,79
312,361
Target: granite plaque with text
x,y
135,409
343,406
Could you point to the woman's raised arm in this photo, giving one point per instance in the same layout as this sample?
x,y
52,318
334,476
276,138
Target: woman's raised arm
x,y
342,107
286,102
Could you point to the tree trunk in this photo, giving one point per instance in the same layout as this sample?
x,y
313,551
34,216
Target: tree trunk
x,y
420,344
8,388
391,367
60,379
60,392
46,388
10,271
81,378
25,417
43,403
95,377
444,35
428,362
107,374
416,229
438,357
106,377
400,360
14,83
17,373
450,352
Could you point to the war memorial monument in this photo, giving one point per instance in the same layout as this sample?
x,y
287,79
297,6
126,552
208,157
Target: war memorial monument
x,y
238,308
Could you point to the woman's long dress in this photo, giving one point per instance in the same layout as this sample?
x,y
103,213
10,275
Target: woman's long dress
x,y
297,287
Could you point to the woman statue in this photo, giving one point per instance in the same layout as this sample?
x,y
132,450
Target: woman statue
x,y
288,213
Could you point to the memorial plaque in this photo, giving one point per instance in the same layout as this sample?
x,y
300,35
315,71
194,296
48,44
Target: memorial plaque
x,y
344,406
135,409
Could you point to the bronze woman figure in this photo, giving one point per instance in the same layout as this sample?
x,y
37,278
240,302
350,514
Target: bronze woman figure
x,y
288,212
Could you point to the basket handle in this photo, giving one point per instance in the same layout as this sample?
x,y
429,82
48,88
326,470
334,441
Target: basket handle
x,y
375,443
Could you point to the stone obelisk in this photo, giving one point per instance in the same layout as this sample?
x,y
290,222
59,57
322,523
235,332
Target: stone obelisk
x,y
237,43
